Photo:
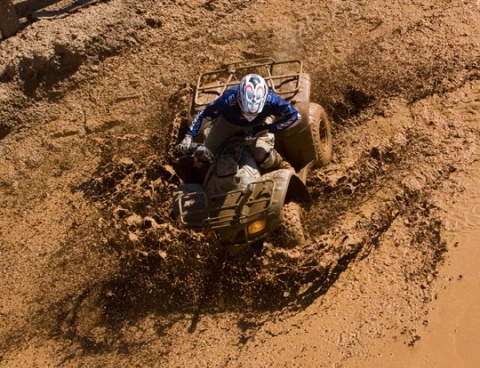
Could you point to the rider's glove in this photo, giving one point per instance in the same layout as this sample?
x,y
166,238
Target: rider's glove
x,y
184,146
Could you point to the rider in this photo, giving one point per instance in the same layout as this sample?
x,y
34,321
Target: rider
x,y
245,107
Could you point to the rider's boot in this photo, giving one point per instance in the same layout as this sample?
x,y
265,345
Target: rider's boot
x,y
274,160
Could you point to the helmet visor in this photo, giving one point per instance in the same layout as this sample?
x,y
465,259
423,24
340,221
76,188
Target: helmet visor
x,y
254,98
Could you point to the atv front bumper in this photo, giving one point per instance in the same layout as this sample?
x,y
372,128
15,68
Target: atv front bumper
x,y
232,218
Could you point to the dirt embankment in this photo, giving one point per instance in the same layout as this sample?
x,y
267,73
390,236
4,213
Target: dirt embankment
x,y
93,271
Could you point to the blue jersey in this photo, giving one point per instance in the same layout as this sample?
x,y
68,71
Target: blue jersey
x,y
227,105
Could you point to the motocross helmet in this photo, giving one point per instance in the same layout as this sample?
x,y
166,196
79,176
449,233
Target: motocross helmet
x,y
252,94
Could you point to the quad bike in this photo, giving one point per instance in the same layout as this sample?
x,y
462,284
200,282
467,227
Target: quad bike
x,y
236,203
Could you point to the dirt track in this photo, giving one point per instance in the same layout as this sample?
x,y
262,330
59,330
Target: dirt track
x,y
94,273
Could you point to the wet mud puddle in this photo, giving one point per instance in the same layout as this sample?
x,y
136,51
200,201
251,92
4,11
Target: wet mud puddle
x,y
453,335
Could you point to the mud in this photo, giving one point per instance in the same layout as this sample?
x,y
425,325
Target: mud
x,y
94,271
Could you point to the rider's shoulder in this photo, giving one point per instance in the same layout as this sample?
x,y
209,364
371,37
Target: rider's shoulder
x,y
273,98
230,96
231,91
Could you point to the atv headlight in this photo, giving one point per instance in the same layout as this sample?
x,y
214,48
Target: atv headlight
x,y
257,226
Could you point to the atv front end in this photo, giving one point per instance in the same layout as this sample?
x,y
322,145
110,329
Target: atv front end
x,y
239,217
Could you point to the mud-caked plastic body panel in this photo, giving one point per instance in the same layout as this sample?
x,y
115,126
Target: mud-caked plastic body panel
x,y
233,169
230,213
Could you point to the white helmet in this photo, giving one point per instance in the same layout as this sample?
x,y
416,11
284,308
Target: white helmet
x,y
252,94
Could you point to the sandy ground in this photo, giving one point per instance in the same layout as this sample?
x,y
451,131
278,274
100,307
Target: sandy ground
x,y
93,272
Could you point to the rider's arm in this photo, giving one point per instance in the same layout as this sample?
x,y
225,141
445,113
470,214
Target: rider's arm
x,y
211,111
289,116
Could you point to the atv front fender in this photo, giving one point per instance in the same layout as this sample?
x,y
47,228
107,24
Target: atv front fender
x,y
288,187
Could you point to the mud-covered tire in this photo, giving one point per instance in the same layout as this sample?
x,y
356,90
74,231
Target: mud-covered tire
x,y
322,135
9,21
292,233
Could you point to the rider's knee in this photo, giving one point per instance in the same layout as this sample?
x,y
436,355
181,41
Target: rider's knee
x,y
259,154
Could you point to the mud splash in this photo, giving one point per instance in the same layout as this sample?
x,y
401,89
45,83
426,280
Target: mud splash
x,y
93,271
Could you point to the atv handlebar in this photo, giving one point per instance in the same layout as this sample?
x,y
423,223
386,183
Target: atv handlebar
x,y
189,151
193,148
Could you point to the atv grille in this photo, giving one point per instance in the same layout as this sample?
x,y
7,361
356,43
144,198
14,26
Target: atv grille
x,y
227,209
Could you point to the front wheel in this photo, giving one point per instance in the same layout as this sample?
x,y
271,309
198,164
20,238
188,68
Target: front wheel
x,y
322,135
292,233
9,22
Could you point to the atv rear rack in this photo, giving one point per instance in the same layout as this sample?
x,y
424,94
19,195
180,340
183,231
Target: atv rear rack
x,y
197,210
282,77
